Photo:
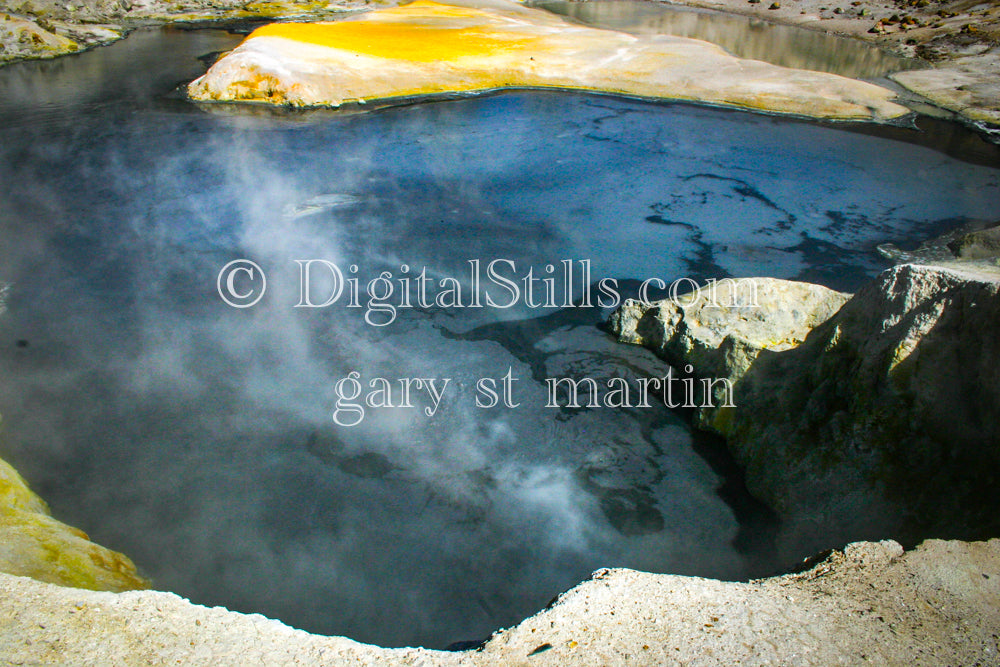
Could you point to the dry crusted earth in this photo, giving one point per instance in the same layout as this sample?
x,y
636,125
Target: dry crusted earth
x,y
870,604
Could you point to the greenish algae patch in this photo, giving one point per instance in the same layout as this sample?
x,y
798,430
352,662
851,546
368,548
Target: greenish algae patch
x,y
428,48
34,544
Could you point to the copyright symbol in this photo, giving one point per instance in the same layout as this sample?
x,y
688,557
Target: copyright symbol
x,y
241,283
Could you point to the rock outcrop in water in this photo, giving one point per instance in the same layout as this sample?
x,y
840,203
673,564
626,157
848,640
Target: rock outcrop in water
x,y
720,330
938,604
428,48
885,415
33,544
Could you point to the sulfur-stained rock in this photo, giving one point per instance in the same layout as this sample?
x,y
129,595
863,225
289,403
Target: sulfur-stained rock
x,y
22,37
33,544
429,48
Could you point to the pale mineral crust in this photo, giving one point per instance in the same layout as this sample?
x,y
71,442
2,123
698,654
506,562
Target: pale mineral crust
x,y
429,48
871,603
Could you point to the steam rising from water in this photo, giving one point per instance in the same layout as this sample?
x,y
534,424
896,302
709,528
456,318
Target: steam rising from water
x,y
198,438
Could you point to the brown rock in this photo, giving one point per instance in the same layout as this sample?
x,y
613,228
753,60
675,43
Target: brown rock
x,y
984,244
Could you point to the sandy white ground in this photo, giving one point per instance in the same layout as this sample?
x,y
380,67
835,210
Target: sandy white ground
x,y
871,604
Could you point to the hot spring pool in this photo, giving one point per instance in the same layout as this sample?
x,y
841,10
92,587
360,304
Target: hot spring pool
x,y
199,439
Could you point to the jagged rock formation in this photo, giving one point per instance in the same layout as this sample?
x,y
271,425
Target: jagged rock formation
x,y
428,48
20,37
885,415
33,544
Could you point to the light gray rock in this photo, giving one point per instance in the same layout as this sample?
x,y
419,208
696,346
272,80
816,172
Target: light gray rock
x,y
901,386
718,331
969,86
752,314
886,415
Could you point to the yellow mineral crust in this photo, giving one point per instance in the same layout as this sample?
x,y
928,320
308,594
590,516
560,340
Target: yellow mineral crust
x,y
33,544
415,33
429,48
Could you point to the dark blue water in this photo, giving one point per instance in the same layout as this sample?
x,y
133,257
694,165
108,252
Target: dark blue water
x,y
200,439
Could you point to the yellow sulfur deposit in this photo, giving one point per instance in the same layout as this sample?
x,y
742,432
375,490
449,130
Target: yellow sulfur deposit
x,y
415,32
430,48
33,544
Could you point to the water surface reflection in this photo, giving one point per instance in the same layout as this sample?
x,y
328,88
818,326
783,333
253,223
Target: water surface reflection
x,y
740,35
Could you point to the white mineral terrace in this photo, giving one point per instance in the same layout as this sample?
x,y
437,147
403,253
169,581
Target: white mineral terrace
x,y
429,48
